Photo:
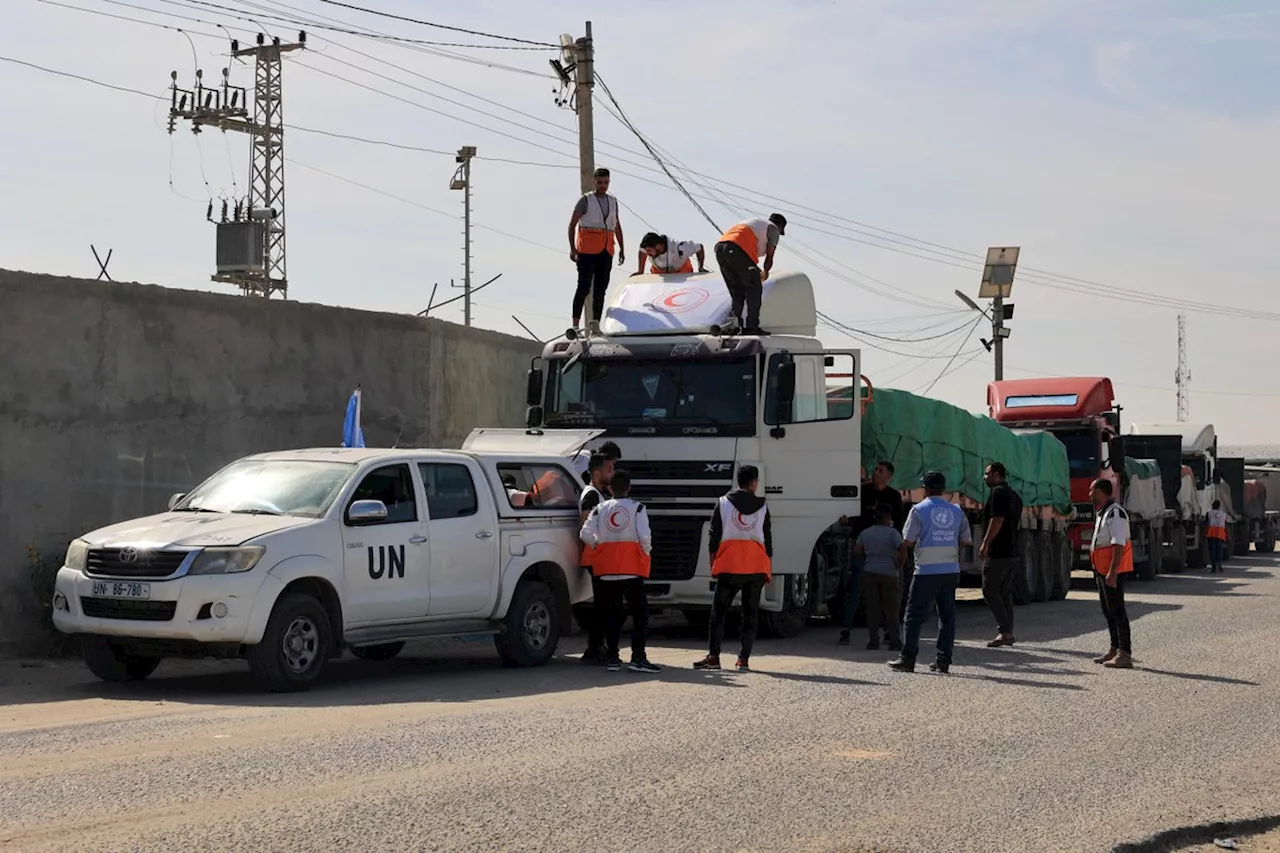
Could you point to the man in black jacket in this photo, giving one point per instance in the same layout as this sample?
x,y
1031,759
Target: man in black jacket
x,y
741,545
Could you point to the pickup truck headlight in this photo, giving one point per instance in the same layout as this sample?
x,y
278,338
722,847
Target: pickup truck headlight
x,y
219,561
77,555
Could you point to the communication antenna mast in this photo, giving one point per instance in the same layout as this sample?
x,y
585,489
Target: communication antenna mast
x,y
1182,378
250,247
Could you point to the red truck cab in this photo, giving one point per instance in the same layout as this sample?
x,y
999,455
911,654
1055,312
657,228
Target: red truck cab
x,y
1080,411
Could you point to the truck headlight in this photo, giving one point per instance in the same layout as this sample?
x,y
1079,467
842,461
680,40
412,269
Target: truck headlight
x,y
219,561
77,555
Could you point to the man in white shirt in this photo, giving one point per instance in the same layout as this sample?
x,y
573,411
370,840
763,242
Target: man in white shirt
x,y
582,460
1111,553
666,257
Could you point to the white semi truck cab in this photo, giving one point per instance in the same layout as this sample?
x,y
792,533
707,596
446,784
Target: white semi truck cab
x,y
689,405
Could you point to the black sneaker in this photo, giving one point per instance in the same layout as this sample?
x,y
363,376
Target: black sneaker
x,y
743,665
643,665
940,666
903,665
873,646
894,647
593,656
755,330
709,662
844,639
614,665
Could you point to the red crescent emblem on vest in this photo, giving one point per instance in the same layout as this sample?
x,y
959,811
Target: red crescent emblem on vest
x,y
681,299
618,519
742,522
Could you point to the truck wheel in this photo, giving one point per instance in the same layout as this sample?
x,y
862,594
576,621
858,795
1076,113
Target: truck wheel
x,y
532,629
112,662
797,604
1026,580
1060,557
1145,571
1242,539
1044,558
382,651
295,646
1198,557
1177,557
1267,545
1157,553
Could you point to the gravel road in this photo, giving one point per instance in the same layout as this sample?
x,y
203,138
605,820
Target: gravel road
x,y
822,749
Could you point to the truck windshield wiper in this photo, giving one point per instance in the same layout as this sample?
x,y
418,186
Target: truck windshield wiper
x,y
256,512
707,419
193,509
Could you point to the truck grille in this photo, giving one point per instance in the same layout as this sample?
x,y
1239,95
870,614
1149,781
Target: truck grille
x,y
124,608
680,469
133,562
675,547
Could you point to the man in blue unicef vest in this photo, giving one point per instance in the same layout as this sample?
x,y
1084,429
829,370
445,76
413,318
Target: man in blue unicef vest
x,y
937,528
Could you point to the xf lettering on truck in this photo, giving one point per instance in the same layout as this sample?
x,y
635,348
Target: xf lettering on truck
x,y
717,467
390,562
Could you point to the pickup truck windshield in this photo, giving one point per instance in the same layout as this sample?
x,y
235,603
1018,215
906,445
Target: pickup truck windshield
x,y
714,396
270,487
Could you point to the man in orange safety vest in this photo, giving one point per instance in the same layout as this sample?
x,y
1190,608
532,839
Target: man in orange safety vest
x,y
1217,537
593,229
738,253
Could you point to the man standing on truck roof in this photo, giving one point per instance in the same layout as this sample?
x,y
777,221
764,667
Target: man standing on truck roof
x,y
1000,517
618,530
938,529
593,229
738,253
600,469
1217,537
666,257
875,492
741,545
1111,554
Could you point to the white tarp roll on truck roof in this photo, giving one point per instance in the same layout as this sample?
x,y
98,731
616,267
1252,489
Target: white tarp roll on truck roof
x,y
692,303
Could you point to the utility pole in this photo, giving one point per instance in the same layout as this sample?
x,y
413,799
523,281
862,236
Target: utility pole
x,y
1182,377
462,181
997,285
585,79
251,245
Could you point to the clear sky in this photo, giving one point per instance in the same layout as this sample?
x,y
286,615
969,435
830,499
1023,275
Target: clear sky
x,y
1130,145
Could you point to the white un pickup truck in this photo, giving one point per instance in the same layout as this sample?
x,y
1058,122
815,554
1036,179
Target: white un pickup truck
x,y
286,558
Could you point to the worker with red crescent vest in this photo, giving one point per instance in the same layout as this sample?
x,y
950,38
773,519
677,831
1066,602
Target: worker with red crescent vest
x,y
738,253
618,531
666,257
600,470
1217,537
1111,554
741,547
593,229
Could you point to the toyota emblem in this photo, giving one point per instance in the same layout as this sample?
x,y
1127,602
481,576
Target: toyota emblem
x,y
129,555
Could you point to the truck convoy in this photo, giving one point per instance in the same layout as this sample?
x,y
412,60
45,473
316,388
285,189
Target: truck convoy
x,y
688,405
1081,413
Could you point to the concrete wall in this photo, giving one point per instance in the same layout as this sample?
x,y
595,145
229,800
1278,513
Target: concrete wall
x,y
113,396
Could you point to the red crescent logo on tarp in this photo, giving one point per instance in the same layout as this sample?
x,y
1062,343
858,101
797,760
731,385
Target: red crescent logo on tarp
x,y
681,299
618,519
742,522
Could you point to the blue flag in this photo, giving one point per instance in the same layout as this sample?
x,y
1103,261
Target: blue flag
x,y
352,434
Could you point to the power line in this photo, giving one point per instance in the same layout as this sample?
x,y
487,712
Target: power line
x,y
439,26
79,77
946,367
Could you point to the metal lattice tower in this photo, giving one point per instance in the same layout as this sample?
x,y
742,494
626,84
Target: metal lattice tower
x,y
1182,378
265,204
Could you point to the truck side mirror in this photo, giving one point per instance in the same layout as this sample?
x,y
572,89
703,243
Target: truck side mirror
x,y
1117,454
533,417
175,499
533,387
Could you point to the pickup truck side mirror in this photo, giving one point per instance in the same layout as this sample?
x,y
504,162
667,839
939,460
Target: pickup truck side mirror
x,y
176,498
533,417
366,512
533,387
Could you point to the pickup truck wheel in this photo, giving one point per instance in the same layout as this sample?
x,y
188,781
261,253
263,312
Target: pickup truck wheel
x,y
532,626
112,662
295,646
382,651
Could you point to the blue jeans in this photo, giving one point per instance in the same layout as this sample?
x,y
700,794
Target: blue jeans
x,y
927,591
853,591
1216,547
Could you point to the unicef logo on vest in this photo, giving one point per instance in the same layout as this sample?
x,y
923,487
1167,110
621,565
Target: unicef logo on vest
x,y
681,300
942,518
618,519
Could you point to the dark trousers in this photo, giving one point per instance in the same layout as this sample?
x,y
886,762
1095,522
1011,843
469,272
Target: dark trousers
x,y
593,278
881,592
926,592
997,589
742,278
727,587
904,576
610,597
1216,547
853,592
1113,608
595,627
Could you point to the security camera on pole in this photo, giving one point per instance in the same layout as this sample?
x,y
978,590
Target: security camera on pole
x,y
997,285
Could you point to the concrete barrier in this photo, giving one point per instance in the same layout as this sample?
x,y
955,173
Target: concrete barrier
x,y
115,395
